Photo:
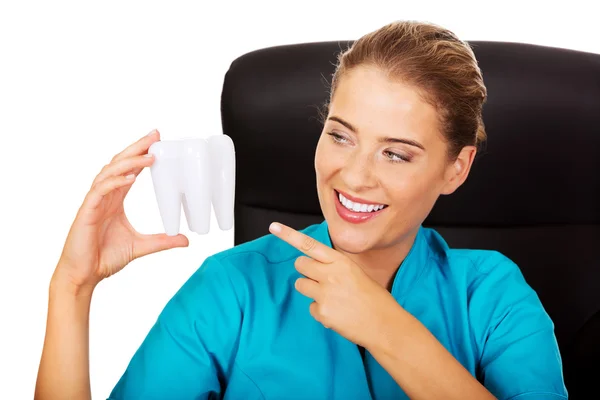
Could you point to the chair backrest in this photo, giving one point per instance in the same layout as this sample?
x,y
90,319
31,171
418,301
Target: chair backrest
x,y
533,193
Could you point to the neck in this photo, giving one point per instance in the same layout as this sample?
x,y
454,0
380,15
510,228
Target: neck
x,y
381,264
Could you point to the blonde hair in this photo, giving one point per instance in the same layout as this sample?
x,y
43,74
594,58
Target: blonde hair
x,y
434,61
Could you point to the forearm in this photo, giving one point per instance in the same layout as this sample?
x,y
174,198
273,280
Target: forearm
x,y
419,363
64,366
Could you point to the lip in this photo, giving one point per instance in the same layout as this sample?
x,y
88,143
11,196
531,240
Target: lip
x,y
356,199
352,216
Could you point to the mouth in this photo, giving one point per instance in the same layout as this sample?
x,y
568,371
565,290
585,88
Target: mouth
x,y
356,210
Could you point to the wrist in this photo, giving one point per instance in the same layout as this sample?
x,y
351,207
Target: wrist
x,y
61,283
389,331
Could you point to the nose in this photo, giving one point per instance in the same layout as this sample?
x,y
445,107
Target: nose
x,y
358,173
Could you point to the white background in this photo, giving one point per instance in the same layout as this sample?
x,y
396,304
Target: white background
x,y
79,81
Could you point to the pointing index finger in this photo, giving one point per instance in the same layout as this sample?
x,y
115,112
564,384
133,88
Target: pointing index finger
x,y
306,244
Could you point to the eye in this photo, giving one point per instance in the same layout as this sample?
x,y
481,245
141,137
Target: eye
x,y
337,138
395,157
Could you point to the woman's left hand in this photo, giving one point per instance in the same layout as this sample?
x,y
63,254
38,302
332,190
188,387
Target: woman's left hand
x,y
345,298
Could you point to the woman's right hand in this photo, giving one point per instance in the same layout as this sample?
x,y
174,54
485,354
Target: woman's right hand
x,y
101,240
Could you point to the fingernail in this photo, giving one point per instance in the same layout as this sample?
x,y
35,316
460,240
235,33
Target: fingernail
x,y
152,132
148,155
275,227
130,176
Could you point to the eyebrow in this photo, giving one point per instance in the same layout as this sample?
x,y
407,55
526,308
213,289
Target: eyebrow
x,y
383,139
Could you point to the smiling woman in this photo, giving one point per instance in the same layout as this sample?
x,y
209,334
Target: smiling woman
x,y
368,304
403,123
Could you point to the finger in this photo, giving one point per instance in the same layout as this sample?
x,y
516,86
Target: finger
x,y
304,243
134,173
149,244
315,312
310,268
141,146
120,167
308,288
101,189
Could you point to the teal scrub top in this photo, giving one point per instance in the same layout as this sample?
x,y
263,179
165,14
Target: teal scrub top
x,y
238,329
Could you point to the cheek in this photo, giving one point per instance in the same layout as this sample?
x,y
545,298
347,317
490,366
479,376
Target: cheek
x,y
319,158
327,159
411,184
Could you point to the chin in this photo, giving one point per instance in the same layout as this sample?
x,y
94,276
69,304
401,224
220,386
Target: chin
x,y
349,239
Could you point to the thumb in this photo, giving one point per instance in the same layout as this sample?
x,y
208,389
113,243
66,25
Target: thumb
x,y
148,244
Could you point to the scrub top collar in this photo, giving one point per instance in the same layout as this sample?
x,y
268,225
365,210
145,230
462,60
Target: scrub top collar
x,y
410,270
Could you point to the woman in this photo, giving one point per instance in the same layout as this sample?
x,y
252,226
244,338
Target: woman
x,y
367,304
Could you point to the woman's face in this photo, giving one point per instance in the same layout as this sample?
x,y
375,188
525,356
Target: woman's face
x,y
381,147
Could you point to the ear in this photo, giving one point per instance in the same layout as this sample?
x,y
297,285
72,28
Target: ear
x,y
456,172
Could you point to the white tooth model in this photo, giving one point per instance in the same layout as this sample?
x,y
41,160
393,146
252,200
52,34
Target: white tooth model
x,y
194,172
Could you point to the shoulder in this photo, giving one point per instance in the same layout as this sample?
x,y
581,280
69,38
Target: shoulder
x,y
472,264
489,278
262,261
492,284
267,249
230,277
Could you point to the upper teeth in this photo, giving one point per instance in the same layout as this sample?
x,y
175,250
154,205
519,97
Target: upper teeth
x,y
359,207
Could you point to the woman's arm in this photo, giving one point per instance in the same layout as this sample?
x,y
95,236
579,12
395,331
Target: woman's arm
x,y
419,363
519,353
64,366
100,243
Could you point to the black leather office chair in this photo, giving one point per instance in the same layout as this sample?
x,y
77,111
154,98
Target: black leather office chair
x,y
533,194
